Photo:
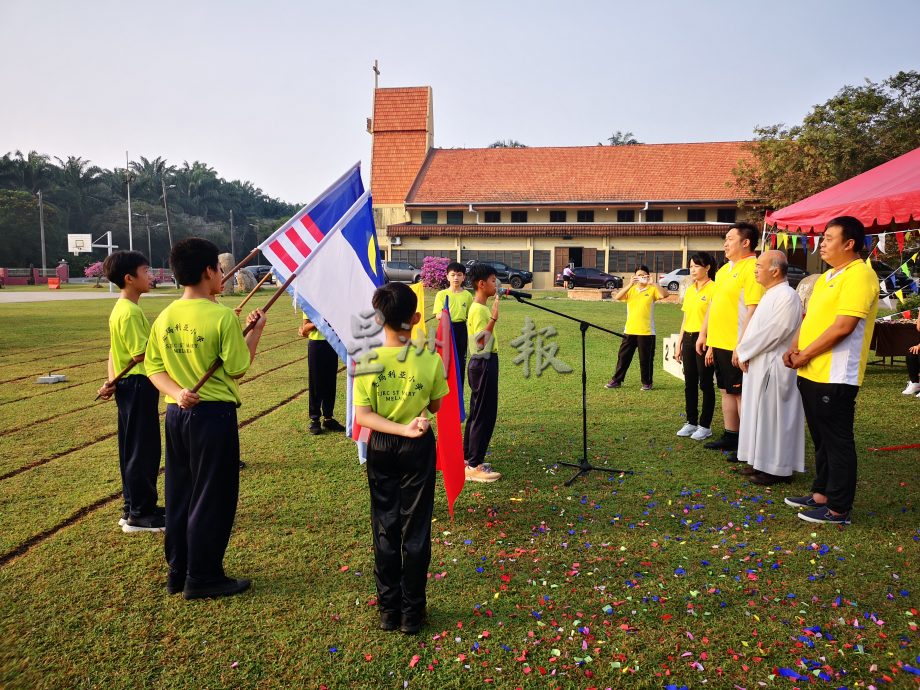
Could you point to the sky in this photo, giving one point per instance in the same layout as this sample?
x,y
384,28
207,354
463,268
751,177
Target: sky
x,y
277,92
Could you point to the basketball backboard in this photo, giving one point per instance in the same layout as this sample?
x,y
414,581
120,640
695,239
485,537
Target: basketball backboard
x,y
79,243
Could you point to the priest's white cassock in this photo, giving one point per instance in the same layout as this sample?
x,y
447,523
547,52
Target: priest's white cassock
x,y
772,436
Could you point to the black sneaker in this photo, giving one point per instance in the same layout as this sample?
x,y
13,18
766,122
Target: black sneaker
x,y
803,502
145,523
226,587
732,456
175,583
724,443
389,620
242,465
332,425
824,514
315,428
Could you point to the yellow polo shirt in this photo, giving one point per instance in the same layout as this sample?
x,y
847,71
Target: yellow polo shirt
x,y
128,331
735,290
402,391
185,340
314,334
851,291
640,310
458,304
696,302
476,322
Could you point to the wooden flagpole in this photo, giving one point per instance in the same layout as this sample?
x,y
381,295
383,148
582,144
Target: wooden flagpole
x,y
120,376
240,306
242,263
214,367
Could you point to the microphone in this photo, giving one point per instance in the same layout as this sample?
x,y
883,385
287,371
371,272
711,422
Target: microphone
x,y
514,293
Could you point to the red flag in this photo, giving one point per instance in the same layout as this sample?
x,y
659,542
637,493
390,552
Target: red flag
x,y
450,440
906,314
899,236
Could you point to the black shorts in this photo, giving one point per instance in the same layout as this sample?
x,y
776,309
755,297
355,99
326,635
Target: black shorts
x,y
728,376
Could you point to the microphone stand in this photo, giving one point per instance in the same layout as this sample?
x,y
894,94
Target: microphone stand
x,y
584,467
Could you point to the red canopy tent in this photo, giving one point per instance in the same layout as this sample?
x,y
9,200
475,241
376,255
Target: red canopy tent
x,y
884,195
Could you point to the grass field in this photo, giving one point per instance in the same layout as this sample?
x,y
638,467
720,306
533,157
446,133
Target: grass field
x,y
682,574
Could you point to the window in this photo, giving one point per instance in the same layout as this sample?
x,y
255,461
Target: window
x,y
586,216
519,216
557,216
657,261
696,215
492,217
626,216
429,217
416,257
455,217
514,258
726,215
654,215
541,259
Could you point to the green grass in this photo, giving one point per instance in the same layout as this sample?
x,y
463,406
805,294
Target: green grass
x,y
680,574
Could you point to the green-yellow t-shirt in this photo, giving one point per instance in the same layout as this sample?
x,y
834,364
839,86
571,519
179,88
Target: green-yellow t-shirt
x,y
696,302
736,289
640,310
401,390
187,337
314,334
458,303
128,330
476,322
851,291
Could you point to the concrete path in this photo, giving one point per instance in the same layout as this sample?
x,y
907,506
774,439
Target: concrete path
x,y
9,297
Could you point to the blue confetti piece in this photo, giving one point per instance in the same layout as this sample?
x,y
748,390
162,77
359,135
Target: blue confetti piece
x,y
680,571
911,669
789,673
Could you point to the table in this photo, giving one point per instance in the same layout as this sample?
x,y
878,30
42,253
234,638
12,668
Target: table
x,y
891,339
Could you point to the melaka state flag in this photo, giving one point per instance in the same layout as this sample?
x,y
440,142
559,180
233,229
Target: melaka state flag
x,y
450,440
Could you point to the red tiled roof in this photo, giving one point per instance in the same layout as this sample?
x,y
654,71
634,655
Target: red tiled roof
x,y
643,172
399,127
560,230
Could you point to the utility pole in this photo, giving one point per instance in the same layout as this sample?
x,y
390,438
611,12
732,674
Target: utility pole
x,y
232,243
128,182
376,74
41,228
166,208
149,246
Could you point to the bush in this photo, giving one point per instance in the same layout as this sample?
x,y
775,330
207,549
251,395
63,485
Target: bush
x,y
94,271
434,272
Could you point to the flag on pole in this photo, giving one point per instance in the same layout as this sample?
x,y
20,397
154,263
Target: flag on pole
x,y
291,244
450,440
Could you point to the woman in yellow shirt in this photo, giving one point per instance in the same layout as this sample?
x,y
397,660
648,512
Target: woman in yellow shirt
x,y
696,372
640,296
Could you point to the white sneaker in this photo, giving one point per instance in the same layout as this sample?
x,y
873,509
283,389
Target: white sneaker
x,y
912,389
687,430
481,473
701,433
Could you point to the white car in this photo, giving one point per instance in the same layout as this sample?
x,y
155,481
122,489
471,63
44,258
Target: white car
x,y
671,280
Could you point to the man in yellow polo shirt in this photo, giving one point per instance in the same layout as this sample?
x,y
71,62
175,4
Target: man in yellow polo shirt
x,y
830,354
734,299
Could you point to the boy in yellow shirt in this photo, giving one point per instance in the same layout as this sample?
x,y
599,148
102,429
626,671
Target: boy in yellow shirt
x,y
135,397
459,301
202,434
400,457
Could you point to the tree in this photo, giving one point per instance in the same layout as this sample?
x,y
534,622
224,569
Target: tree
x,y
619,138
855,130
507,144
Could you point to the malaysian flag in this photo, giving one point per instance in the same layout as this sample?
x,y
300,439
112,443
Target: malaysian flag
x,y
291,244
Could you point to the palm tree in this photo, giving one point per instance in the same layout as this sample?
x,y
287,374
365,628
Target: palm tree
x,y
623,139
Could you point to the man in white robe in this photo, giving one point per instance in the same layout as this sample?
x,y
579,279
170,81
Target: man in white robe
x,y
772,435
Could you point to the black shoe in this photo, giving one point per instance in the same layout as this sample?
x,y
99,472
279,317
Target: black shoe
x,y
725,443
332,425
389,620
145,523
242,465
766,479
315,428
732,457
175,583
412,623
159,510
222,588
747,471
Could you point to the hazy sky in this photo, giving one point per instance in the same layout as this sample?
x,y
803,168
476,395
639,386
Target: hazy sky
x,y
277,92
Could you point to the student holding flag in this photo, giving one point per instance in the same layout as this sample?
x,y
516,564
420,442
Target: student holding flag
x,y
458,304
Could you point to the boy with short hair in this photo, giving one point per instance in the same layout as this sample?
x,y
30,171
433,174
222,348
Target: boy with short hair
x,y
202,435
135,397
458,305
400,457
322,366
482,375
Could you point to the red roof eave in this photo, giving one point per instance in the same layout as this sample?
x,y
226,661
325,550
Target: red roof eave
x,y
560,230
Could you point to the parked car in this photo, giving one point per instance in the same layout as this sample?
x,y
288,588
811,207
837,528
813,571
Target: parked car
x,y
894,277
258,271
590,277
513,276
401,272
671,280
794,275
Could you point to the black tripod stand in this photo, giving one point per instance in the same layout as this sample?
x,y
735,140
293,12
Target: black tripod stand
x,y
584,466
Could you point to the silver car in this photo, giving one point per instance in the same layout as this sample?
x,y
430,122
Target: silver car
x,y
401,272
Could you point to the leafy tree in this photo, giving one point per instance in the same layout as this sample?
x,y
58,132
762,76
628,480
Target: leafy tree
x,y
507,144
619,138
20,236
855,130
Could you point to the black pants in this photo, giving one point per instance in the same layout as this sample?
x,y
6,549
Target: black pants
x,y
400,475
830,409
697,377
913,367
138,443
322,365
480,422
202,488
461,339
646,346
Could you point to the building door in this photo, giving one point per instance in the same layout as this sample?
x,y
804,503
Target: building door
x,y
560,259
576,256
589,258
